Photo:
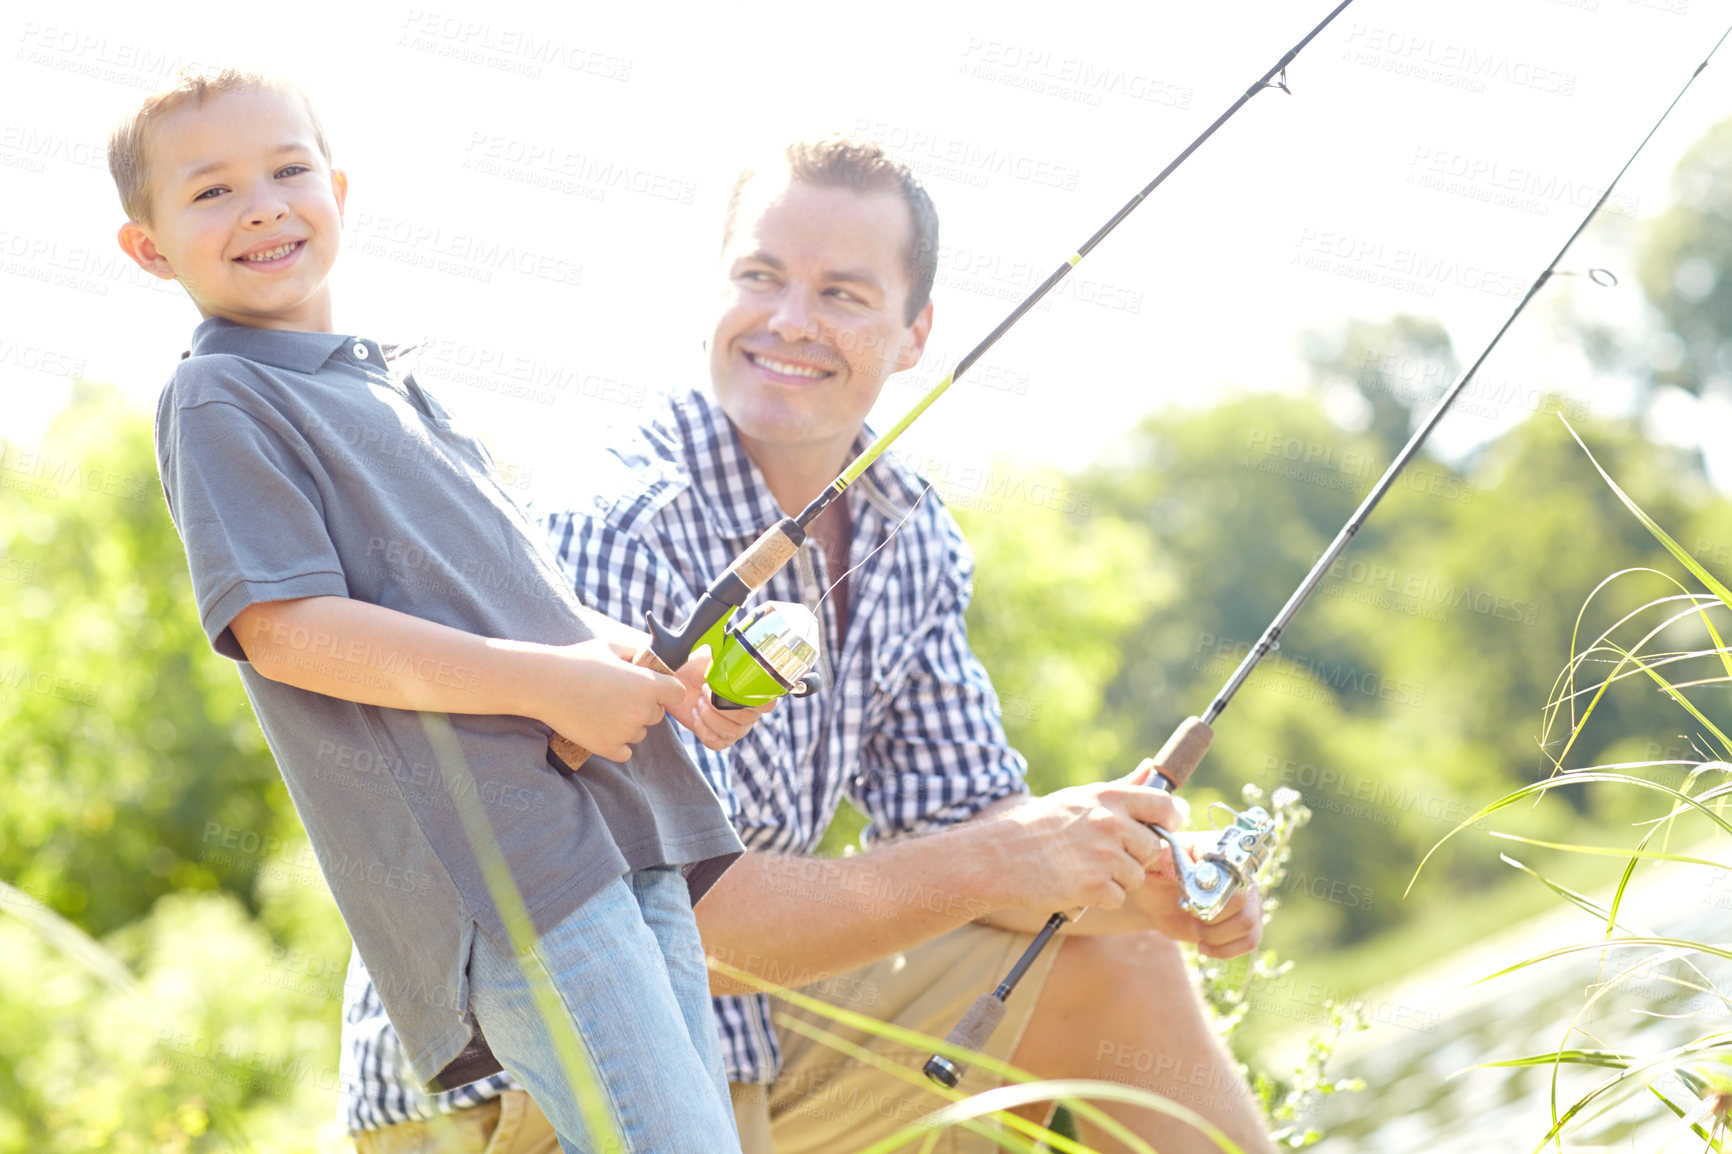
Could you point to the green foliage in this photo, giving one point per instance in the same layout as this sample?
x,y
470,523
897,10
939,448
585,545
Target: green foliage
x,y
1053,596
224,1041
1227,988
123,738
1397,368
1396,699
142,805
1684,258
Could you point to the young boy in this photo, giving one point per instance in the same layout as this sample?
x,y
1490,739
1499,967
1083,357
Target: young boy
x,y
409,648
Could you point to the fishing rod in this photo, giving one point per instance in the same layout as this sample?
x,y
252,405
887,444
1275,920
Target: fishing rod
x,y
1206,887
790,670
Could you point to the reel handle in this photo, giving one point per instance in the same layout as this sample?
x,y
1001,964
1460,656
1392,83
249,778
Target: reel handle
x,y
805,687
574,754
1207,886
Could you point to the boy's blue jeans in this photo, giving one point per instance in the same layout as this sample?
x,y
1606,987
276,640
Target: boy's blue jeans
x,y
628,969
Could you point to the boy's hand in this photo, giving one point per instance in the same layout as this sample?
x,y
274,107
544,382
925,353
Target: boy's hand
x,y
716,728
600,700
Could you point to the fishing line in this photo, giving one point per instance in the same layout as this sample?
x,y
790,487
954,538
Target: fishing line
x,y
894,529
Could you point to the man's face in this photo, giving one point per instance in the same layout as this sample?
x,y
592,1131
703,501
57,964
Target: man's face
x,y
813,315
245,211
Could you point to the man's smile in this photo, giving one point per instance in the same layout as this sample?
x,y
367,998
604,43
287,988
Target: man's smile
x,y
784,368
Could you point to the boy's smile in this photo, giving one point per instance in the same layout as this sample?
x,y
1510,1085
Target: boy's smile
x,y
245,211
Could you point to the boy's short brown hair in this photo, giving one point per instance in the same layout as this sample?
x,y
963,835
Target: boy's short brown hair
x,y
129,143
862,166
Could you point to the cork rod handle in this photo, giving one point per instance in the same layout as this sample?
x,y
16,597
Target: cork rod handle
x,y
1184,751
574,754
774,548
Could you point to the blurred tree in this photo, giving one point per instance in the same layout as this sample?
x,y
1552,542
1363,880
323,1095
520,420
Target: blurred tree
x,y
220,1040
1409,688
1240,501
1054,598
1685,257
128,752
1397,368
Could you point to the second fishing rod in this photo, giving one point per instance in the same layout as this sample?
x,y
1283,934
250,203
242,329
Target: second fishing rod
x,y
1206,886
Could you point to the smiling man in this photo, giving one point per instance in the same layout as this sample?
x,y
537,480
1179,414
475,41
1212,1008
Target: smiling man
x,y
827,266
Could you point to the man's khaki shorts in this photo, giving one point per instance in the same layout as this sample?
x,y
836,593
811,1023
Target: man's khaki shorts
x,y
824,1102
510,1124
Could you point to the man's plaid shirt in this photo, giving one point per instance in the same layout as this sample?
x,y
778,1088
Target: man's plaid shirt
x,y
908,727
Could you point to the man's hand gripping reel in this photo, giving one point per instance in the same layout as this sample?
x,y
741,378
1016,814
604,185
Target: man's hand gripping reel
x,y
1205,887
773,651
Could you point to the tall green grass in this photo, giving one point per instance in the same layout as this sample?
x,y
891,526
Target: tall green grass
x,y
1669,644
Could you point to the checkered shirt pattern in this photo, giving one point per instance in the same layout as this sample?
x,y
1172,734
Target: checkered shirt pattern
x,y
907,728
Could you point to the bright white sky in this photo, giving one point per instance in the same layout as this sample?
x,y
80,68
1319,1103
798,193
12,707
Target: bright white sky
x,y
538,188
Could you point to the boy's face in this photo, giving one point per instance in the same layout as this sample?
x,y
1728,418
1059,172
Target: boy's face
x,y
813,315
245,211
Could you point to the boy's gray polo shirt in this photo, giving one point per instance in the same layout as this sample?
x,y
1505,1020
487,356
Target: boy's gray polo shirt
x,y
295,465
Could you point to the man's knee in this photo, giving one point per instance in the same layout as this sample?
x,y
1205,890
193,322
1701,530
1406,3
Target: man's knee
x,y
1129,1013
1114,973
1128,951
1119,1006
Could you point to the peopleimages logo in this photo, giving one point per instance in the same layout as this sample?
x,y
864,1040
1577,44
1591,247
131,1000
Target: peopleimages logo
x,y
1375,261
1069,78
1379,799
1313,675
964,161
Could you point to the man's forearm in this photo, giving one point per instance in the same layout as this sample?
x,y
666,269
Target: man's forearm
x,y
796,920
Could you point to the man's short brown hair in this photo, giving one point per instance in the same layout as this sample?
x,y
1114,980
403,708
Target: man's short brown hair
x,y
863,166
129,143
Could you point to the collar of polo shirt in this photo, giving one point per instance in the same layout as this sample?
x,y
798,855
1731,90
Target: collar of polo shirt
x,y
296,351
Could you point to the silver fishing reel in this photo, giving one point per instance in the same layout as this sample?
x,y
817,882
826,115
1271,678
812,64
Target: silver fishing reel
x,y
1206,886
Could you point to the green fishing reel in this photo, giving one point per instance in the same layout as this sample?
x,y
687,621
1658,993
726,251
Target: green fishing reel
x,y
771,653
